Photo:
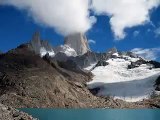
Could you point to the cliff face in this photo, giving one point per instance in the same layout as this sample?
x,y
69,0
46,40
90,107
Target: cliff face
x,y
78,42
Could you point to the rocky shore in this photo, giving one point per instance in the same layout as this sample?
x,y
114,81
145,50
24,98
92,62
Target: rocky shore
x,y
8,113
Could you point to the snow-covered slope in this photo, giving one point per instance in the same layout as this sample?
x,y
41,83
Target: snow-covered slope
x,y
66,50
120,82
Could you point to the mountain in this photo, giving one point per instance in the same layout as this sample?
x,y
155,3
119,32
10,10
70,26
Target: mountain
x,y
27,80
60,78
78,42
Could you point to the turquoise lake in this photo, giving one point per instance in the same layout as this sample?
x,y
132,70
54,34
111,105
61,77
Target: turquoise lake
x,y
94,114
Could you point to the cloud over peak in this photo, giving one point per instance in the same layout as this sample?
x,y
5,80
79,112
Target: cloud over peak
x,y
65,16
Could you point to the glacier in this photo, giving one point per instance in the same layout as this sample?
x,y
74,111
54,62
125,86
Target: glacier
x,y
118,81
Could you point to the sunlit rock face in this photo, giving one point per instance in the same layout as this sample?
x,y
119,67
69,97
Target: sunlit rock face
x,y
78,42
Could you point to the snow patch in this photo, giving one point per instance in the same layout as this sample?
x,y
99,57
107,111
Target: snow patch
x,y
68,50
43,52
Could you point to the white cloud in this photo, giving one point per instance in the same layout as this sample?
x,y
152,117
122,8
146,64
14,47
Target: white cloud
x,y
157,32
91,42
136,33
125,13
71,16
150,54
66,16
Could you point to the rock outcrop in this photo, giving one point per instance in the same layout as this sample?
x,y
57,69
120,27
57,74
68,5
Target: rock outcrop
x,y
100,63
78,42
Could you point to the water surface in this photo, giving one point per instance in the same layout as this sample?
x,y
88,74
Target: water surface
x,y
94,114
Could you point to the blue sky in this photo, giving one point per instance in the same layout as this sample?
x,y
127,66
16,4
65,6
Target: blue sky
x,y
17,28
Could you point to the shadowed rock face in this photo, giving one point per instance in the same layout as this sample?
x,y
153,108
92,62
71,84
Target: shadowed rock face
x,y
78,42
142,61
155,64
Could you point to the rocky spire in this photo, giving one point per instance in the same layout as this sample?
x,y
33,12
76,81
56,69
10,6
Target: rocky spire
x,y
41,47
36,42
78,42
